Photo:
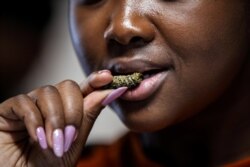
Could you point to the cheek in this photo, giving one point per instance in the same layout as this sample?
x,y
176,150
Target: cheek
x,y
207,52
202,29
208,43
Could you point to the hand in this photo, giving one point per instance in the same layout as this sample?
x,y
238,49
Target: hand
x,y
50,125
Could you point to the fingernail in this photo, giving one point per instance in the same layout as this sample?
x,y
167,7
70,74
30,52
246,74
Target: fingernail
x,y
69,133
114,95
58,142
40,133
103,71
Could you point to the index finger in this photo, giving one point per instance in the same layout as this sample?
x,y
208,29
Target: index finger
x,y
95,80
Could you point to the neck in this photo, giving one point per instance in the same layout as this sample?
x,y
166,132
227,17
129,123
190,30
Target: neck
x,y
219,134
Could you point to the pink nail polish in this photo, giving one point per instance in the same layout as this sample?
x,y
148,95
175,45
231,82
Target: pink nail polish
x,y
69,133
41,137
58,142
114,95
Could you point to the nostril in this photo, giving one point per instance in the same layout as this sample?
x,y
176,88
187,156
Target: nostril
x,y
137,41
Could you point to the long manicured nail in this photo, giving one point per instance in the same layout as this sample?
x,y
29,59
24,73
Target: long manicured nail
x,y
69,132
58,142
114,95
40,133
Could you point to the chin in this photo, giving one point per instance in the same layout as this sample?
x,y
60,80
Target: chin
x,y
144,116
145,126
156,113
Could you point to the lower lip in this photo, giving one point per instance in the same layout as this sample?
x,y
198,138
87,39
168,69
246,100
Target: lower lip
x,y
146,88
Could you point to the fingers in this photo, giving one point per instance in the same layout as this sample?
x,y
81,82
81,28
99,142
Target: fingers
x,y
20,108
95,101
93,104
95,81
92,107
49,102
73,110
62,109
54,115
72,102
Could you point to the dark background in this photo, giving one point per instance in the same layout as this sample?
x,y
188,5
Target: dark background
x,y
22,26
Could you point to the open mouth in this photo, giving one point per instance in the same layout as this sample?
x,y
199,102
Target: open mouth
x,y
153,76
152,81
130,80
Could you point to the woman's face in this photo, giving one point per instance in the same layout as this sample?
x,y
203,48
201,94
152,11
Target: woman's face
x,y
188,50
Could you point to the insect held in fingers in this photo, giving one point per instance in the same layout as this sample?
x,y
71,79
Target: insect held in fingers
x,y
130,81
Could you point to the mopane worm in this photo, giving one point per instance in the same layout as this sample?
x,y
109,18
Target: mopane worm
x,y
129,81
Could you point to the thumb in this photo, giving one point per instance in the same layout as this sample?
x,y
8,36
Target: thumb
x,y
92,106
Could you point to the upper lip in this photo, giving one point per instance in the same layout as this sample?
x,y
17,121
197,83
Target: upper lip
x,y
128,66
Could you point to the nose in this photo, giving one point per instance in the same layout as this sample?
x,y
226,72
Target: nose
x,y
128,26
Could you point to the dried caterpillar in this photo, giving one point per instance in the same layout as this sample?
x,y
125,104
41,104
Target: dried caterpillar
x,y
129,81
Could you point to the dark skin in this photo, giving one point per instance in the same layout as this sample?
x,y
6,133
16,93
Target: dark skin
x,y
205,43
51,107
193,106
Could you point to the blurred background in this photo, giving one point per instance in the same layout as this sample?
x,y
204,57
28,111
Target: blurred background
x,y
36,50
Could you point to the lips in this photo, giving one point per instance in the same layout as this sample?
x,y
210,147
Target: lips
x,y
146,88
123,67
154,76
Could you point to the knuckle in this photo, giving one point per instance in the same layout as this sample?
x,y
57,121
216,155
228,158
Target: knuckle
x,y
29,116
55,121
45,90
20,98
90,117
69,83
93,77
48,89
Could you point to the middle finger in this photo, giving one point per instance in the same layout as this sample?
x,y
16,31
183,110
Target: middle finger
x,y
50,104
